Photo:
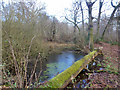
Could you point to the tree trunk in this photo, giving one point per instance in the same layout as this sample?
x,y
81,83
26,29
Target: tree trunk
x,y
64,78
90,28
82,15
53,29
98,21
75,25
111,17
118,25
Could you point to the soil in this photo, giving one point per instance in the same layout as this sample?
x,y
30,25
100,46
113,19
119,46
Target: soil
x,y
111,58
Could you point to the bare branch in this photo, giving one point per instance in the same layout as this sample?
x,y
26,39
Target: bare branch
x,y
26,60
40,69
6,76
14,58
90,4
111,18
73,23
34,69
30,47
112,4
94,2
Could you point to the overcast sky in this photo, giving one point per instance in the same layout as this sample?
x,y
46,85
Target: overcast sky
x,y
57,7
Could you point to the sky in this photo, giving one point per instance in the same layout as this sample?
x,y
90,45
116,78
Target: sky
x,y
53,7
57,7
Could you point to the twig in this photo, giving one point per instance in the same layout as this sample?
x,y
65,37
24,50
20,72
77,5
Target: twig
x,y
73,23
33,70
40,69
7,77
14,58
30,46
26,60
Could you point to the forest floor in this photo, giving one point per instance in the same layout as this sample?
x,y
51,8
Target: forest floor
x,y
109,78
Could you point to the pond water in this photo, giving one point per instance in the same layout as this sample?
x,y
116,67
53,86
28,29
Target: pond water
x,y
57,63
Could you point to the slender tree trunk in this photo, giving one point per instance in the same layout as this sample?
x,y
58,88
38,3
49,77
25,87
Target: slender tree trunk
x,y
53,29
98,21
108,24
91,43
75,25
82,15
74,39
111,17
118,24
118,32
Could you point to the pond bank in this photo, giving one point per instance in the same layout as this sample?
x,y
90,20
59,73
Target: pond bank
x,y
60,52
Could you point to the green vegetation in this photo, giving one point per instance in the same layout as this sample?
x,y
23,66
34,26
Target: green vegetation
x,y
112,42
108,66
30,35
26,38
111,69
58,81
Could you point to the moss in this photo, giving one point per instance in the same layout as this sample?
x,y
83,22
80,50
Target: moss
x,y
61,78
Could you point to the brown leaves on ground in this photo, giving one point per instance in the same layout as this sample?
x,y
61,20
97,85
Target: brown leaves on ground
x,y
109,50
111,58
111,53
104,80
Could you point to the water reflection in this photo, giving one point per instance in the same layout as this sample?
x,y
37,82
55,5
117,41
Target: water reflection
x,y
58,63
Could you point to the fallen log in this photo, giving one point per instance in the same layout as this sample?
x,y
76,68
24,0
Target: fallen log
x,y
64,78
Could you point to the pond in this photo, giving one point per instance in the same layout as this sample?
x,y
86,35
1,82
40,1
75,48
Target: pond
x,y
57,63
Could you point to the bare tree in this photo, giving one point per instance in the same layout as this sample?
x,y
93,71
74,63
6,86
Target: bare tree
x,y
90,27
111,18
99,16
18,19
81,8
75,12
118,23
53,28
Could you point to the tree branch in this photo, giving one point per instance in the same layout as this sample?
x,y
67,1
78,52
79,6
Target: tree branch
x,y
33,72
73,23
26,60
112,4
94,2
111,18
